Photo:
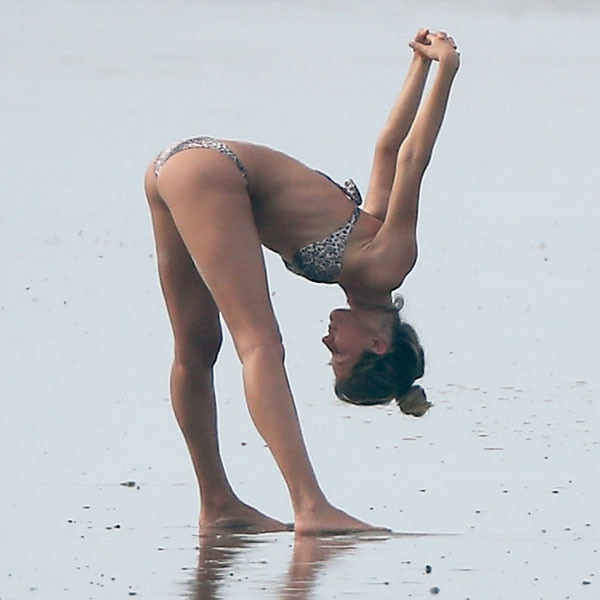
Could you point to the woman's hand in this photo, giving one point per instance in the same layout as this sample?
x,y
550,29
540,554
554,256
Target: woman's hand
x,y
437,46
420,39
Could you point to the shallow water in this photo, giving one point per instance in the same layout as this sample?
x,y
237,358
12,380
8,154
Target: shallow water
x,y
500,477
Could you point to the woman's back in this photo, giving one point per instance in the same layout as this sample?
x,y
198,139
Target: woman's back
x,y
293,204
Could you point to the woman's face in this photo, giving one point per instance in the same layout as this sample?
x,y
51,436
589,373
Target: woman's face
x,y
347,339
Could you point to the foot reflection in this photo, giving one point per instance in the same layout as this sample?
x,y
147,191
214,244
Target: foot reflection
x,y
216,556
220,556
311,556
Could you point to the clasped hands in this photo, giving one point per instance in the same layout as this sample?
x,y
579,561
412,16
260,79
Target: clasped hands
x,y
438,46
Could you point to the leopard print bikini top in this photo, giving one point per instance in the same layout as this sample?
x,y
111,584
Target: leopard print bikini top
x,y
321,261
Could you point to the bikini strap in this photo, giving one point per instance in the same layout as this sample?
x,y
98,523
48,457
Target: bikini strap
x,y
351,190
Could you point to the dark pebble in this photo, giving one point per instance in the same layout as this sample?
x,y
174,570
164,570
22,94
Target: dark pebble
x,y
435,590
428,568
128,483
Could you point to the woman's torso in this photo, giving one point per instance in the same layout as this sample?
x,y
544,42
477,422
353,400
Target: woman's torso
x,y
294,205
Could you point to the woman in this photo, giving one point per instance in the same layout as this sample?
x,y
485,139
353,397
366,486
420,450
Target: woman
x,y
213,205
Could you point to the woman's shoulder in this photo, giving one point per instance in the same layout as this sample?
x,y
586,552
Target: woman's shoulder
x,y
372,263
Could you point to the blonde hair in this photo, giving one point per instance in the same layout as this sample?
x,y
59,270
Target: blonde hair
x,y
381,378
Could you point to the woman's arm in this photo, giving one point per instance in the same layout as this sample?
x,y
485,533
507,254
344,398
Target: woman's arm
x,y
394,248
394,132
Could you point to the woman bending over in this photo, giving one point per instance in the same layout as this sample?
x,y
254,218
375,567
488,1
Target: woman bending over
x,y
214,204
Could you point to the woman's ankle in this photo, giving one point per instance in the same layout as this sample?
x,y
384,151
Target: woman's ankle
x,y
217,503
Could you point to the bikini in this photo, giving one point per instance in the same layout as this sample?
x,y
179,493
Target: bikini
x,y
199,142
319,261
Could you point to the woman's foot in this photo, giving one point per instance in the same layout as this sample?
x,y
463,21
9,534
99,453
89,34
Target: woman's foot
x,y
329,520
238,517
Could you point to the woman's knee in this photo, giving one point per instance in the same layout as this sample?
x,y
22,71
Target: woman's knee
x,y
198,351
261,349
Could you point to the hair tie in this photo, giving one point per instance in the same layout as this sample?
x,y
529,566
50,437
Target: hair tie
x,y
398,301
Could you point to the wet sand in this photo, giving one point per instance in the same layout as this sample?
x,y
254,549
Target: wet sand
x,y
495,489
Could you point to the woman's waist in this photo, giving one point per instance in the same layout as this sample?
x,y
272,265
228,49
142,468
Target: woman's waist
x,y
289,225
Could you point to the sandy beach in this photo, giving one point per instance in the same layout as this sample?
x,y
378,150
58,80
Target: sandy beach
x,y
493,494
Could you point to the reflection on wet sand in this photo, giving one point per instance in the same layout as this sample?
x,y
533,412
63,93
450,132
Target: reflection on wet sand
x,y
310,556
217,554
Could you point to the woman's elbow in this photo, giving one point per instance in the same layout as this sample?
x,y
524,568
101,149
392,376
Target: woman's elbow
x,y
387,144
413,157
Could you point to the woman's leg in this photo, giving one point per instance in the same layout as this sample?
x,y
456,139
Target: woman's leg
x,y
211,209
197,332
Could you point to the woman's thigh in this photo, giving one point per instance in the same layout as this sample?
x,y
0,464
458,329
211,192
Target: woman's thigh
x,y
207,198
192,311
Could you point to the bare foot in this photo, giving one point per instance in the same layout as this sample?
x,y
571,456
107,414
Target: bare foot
x,y
330,520
239,518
